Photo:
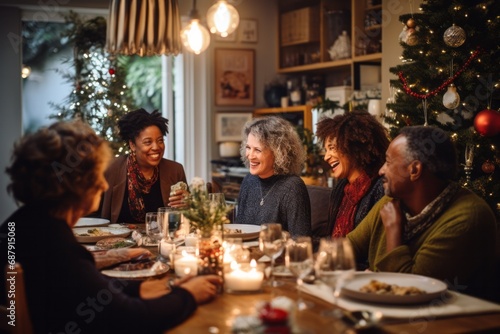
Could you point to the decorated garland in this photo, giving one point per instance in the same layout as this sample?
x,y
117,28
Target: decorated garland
x,y
445,84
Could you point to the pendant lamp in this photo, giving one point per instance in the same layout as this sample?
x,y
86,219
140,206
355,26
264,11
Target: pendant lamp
x,y
222,18
144,27
194,35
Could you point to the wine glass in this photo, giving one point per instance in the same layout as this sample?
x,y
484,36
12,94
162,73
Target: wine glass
x,y
153,229
335,263
299,260
272,244
167,218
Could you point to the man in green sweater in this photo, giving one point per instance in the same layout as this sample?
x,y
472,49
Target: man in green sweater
x,y
426,224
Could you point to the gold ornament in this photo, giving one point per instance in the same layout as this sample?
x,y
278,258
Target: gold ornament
x,y
454,36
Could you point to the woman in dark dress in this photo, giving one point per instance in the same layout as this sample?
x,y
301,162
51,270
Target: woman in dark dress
x,y
57,174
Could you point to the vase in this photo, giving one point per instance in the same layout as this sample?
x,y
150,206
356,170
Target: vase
x,y
211,251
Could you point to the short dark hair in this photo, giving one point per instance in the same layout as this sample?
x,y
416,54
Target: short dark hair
x,y
433,147
360,137
132,123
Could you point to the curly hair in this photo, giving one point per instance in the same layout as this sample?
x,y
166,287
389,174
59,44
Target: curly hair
x,y
281,138
433,147
359,137
132,123
57,166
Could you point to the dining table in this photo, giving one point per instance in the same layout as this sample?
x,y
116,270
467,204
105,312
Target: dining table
x,y
228,310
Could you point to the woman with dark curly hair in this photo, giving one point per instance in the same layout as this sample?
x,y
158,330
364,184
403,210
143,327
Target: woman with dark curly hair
x,y
57,174
274,191
355,145
140,182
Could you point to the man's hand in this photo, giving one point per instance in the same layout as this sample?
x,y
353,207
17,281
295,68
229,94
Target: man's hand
x,y
392,217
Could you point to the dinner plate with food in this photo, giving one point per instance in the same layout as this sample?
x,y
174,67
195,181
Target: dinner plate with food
x,y
142,269
243,231
393,288
94,234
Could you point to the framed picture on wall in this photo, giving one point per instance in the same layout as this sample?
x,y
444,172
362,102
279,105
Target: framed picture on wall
x,y
234,77
247,31
228,125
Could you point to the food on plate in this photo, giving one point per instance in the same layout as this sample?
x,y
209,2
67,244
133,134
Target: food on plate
x,y
178,186
111,243
382,288
232,230
94,232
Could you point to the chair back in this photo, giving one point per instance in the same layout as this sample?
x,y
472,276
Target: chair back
x,y
17,317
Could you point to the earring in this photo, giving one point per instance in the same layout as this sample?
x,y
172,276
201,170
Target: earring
x,y
133,152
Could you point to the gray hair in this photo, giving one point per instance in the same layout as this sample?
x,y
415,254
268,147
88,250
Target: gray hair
x,y
281,138
433,147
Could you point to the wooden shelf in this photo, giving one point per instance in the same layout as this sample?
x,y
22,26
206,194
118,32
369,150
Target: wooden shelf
x,y
295,114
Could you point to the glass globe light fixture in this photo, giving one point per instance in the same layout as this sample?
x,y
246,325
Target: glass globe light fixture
x,y
195,36
222,18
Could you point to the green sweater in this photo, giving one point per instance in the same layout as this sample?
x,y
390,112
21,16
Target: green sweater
x,y
459,248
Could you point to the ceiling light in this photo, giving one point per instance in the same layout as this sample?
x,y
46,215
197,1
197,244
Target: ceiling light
x,y
222,18
195,36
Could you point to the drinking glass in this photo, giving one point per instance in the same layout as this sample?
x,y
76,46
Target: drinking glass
x,y
272,244
170,220
335,263
299,260
153,229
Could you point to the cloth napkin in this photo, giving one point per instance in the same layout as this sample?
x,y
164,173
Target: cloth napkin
x,y
453,303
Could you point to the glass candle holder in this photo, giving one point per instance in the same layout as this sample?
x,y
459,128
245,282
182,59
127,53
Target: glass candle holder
x,y
244,277
185,264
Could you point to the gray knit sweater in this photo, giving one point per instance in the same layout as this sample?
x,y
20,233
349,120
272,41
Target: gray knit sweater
x,y
286,201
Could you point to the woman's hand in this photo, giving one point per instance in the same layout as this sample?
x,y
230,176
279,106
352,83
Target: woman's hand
x,y
392,218
203,288
177,199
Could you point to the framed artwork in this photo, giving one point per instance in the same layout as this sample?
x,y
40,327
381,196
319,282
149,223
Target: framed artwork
x,y
234,77
248,31
228,125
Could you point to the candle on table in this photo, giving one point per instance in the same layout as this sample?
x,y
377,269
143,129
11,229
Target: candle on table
x,y
191,240
185,264
244,279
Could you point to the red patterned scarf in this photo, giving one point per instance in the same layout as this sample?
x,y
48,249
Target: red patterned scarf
x,y
353,193
138,185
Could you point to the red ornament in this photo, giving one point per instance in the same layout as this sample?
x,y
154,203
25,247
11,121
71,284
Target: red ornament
x,y
487,122
488,167
111,71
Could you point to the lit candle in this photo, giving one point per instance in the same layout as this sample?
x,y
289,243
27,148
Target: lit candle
x,y
191,240
185,264
240,279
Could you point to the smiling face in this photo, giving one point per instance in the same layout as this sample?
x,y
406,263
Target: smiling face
x,y
149,147
395,171
341,166
260,158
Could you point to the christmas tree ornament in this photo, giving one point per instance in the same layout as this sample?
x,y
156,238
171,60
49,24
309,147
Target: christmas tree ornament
x,y
403,35
451,99
410,23
111,71
488,167
454,36
487,122
411,38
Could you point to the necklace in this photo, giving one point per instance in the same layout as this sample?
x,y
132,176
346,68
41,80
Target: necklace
x,y
264,197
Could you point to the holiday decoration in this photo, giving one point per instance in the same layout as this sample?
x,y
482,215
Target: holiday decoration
x,y
488,167
454,36
487,122
451,99
408,36
458,74
111,71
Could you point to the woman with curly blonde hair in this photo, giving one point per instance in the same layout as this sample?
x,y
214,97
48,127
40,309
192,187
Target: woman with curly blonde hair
x,y
274,191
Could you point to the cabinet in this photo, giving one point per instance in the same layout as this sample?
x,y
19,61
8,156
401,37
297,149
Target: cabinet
x,y
297,115
321,23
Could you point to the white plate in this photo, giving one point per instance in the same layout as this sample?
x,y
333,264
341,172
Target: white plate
x,y
248,232
161,268
433,288
87,239
87,222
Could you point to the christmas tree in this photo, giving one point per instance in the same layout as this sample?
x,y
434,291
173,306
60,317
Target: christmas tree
x,y
449,77
100,96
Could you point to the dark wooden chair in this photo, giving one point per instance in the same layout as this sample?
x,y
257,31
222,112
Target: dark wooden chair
x,y
22,319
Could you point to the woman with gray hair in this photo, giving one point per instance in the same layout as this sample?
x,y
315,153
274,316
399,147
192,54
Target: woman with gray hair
x,y
274,191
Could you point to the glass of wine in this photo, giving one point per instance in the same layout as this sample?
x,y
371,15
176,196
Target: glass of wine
x,y
299,260
335,263
272,244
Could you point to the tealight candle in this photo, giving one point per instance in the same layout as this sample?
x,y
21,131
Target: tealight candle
x,y
191,240
185,264
244,277
167,248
